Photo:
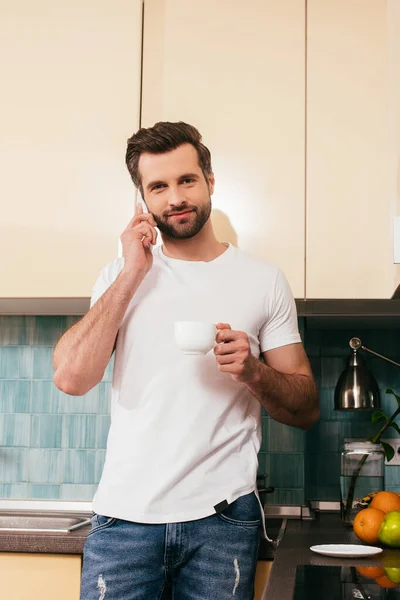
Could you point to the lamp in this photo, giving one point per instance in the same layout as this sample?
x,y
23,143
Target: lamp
x,y
357,388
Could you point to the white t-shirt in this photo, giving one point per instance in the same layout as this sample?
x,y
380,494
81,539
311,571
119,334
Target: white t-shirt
x,y
184,436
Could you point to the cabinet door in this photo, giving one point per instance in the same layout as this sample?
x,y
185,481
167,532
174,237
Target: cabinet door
x,y
70,98
40,576
237,72
262,574
353,143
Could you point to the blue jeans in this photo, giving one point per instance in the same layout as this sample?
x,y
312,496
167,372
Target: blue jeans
x,y
208,559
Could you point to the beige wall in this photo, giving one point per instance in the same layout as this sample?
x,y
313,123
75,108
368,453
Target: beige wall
x,y
70,80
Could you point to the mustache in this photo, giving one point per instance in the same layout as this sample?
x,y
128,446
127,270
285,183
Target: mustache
x,y
180,209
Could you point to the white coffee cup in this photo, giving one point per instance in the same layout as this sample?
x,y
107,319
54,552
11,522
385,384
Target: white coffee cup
x,y
195,337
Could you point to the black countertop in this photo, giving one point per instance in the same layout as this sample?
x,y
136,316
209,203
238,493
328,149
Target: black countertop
x,y
294,550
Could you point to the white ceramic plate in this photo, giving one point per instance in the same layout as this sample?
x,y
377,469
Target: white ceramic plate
x,y
345,550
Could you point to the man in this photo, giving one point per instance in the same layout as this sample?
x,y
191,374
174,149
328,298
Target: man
x,y
176,508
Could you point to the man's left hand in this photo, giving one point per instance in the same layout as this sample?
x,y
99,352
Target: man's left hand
x,y
233,353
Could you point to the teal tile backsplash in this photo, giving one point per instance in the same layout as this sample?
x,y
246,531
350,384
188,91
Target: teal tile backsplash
x,y
52,446
328,349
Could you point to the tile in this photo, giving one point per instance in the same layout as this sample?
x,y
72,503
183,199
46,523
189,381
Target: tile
x,y
46,431
72,320
328,493
104,398
15,362
264,433
283,438
326,404
99,464
70,491
336,343
388,401
13,465
331,368
79,466
16,330
14,429
46,398
323,469
42,363
46,492
285,496
286,470
102,428
94,402
347,415
79,431
45,466
301,323
313,342
13,490
328,435
366,429
15,395
316,368
263,464
108,373
392,477
48,330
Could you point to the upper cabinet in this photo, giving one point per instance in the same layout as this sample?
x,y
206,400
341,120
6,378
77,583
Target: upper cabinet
x,y
353,147
237,73
70,80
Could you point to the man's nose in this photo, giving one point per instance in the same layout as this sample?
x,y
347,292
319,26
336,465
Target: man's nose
x,y
176,197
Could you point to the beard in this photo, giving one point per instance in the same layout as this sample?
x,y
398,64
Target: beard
x,y
190,226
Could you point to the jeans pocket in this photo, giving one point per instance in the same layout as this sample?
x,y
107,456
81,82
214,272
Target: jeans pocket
x,y
100,522
245,511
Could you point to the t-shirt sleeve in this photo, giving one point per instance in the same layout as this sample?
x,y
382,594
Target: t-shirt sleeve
x,y
106,278
281,326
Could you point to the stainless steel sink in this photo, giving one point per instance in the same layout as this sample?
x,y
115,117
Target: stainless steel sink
x,y
43,522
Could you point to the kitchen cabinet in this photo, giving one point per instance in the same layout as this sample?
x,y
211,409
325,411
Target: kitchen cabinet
x,y
70,99
262,574
353,145
237,73
40,576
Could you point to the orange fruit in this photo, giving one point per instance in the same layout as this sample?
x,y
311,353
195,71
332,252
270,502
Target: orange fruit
x,y
370,572
386,501
385,582
366,524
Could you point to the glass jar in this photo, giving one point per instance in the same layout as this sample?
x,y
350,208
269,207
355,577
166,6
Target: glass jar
x,y
361,473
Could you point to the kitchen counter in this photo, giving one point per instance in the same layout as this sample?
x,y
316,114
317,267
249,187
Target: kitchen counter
x,y
47,543
294,550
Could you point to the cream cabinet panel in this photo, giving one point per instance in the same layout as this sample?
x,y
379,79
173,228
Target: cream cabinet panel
x,y
236,70
40,576
353,147
70,80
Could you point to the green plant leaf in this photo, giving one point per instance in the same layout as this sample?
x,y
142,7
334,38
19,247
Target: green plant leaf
x,y
378,416
389,452
390,391
395,426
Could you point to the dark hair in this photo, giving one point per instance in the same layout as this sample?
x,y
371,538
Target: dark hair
x,y
164,137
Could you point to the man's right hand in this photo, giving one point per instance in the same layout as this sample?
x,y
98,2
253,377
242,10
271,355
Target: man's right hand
x,y
137,240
